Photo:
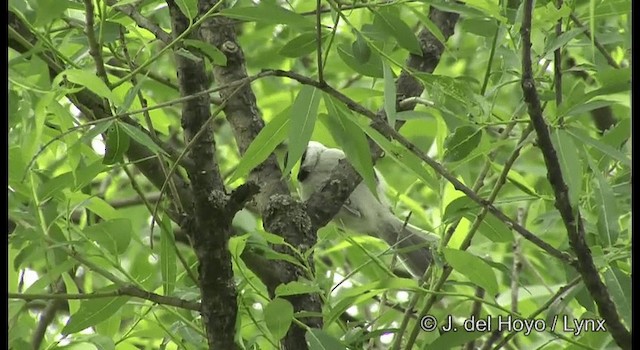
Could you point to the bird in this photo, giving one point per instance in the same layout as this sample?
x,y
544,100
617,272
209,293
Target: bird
x,y
365,213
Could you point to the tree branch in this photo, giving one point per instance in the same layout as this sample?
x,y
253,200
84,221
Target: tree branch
x,y
281,214
212,229
128,290
570,216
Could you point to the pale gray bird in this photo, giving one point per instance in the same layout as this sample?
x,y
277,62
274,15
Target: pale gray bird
x,y
364,213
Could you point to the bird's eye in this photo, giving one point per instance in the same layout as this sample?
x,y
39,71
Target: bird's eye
x,y
302,174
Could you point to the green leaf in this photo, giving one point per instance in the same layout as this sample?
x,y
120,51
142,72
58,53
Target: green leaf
x,y
560,41
358,295
129,97
426,21
481,26
389,94
516,179
360,49
619,285
489,8
296,287
580,136
278,315
303,119
269,14
301,45
461,143
351,139
495,230
474,268
399,30
188,55
50,276
607,208
402,156
263,145
321,340
167,256
454,92
113,235
95,130
49,10
188,7
373,67
450,340
582,107
459,207
141,137
117,143
93,311
89,80
570,166
216,56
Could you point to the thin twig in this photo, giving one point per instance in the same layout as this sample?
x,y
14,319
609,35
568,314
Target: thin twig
x,y
142,21
564,289
597,43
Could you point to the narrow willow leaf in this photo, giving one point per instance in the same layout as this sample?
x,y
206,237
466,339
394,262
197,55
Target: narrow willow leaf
x,y
389,95
373,67
296,287
89,80
360,49
495,230
607,208
49,277
216,56
141,137
113,235
461,143
303,119
92,312
117,143
301,45
516,179
399,30
474,268
562,40
429,24
351,139
619,285
458,208
95,130
189,8
130,97
263,145
402,156
358,295
570,166
278,315
321,340
582,137
450,340
269,14
167,256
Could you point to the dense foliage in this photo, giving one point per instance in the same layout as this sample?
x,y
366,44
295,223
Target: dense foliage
x,y
104,103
